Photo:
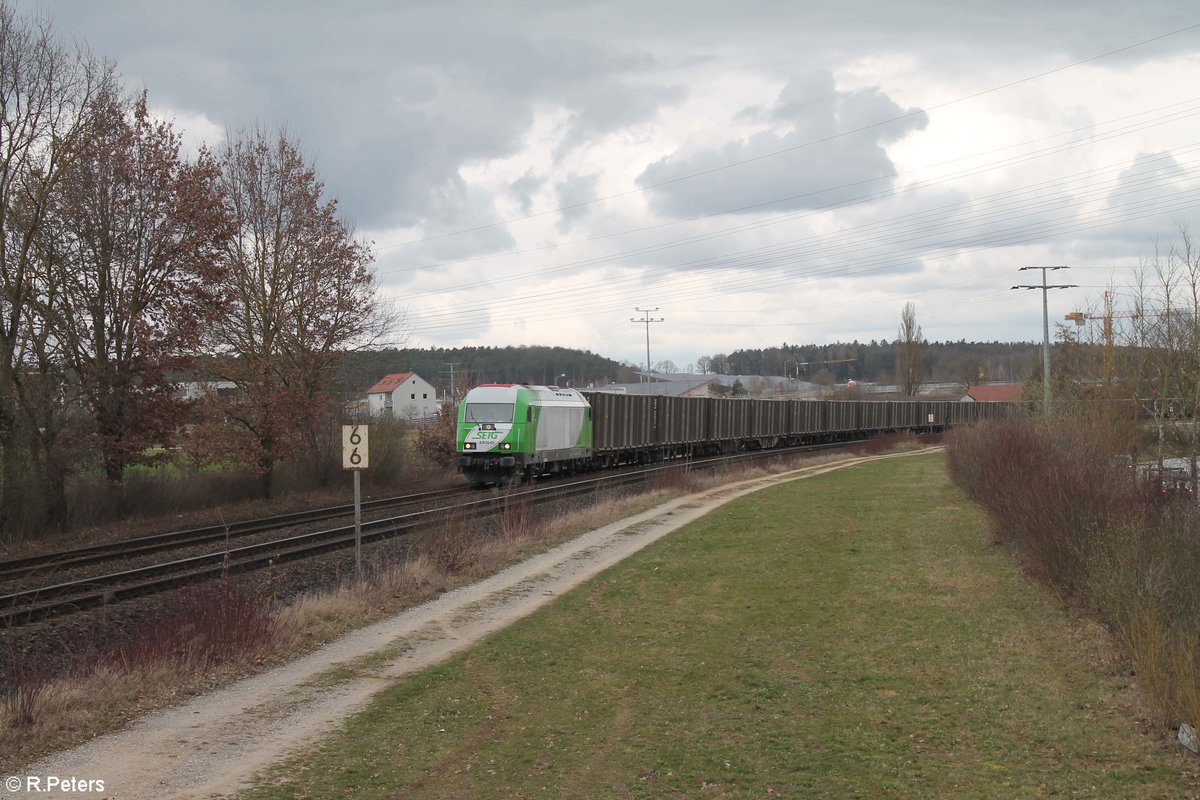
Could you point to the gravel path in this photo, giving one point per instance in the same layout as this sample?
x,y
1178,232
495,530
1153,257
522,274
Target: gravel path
x,y
216,743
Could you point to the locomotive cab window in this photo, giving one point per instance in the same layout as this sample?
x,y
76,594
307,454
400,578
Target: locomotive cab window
x,y
489,412
529,414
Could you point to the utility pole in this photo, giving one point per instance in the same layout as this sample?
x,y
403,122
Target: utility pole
x,y
646,320
1045,329
452,395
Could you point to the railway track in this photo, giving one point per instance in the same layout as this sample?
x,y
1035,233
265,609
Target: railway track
x,y
23,606
47,563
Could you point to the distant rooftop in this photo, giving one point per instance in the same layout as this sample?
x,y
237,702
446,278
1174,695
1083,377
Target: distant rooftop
x,y
389,383
996,392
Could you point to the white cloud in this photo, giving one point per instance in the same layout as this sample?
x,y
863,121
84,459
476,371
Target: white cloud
x,y
195,129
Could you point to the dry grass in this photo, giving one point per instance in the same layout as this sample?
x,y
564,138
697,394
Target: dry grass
x,y
391,589
76,708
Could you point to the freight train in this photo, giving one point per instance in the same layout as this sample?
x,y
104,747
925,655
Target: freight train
x,y
509,432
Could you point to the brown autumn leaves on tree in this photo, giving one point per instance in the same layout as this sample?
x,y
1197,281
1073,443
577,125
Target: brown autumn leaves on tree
x,y
133,242
300,292
127,266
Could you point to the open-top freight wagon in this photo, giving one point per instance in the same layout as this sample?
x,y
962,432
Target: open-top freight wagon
x,y
510,431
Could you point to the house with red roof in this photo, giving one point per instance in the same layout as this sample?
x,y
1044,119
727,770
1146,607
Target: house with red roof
x,y
995,393
405,395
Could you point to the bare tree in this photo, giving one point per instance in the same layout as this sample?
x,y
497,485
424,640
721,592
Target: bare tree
x,y
301,293
133,241
1167,327
45,90
910,360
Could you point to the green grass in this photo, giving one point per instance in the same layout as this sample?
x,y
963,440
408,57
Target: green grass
x,y
853,635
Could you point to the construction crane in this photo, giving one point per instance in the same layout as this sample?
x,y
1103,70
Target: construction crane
x,y
1078,317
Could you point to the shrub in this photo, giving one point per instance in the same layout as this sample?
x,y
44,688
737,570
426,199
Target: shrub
x,y
436,439
1142,578
28,679
1048,491
227,621
452,547
1078,522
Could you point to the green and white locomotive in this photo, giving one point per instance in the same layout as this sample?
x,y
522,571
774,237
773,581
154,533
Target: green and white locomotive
x,y
509,432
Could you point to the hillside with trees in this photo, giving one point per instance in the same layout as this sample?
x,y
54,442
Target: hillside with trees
x,y
967,363
474,365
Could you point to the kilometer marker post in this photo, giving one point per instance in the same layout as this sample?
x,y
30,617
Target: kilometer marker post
x,y
355,458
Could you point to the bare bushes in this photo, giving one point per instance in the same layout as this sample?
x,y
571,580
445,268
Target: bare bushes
x,y
200,628
28,680
192,634
1047,490
1079,522
149,493
451,547
679,478
1142,580
179,485
436,438
392,462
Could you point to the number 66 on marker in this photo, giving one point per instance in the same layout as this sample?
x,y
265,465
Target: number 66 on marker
x,y
354,447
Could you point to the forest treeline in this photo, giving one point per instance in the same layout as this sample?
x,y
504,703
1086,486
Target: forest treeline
x,y
471,366
968,363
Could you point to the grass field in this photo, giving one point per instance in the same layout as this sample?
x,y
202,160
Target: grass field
x,y
852,635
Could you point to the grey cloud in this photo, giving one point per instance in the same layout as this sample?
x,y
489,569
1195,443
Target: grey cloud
x,y
1149,173
392,100
823,158
609,104
573,196
1153,197
525,188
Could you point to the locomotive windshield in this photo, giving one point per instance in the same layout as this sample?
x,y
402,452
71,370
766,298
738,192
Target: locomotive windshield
x,y
489,412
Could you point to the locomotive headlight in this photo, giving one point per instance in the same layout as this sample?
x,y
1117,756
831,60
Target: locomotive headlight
x,y
506,445
468,445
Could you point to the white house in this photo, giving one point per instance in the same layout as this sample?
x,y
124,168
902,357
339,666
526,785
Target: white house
x,y
194,390
405,395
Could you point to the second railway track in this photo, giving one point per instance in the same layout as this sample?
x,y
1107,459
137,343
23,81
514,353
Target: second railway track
x,y
58,561
23,605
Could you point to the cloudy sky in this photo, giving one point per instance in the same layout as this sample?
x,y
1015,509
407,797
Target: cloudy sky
x,y
757,172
